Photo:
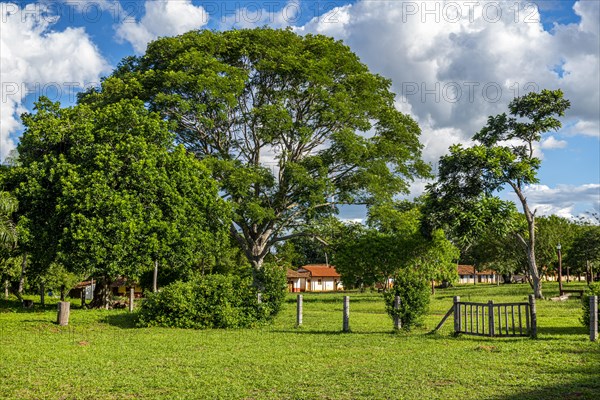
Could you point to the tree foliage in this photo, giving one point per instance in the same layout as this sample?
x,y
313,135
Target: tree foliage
x,y
104,192
503,155
290,124
391,246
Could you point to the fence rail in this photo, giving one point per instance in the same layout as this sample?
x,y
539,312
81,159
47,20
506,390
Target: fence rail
x,y
489,319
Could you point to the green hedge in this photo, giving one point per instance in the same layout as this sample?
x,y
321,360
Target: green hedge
x,y
213,301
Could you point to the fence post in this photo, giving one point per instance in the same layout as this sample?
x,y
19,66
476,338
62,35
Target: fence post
x,y
64,308
346,326
491,317
131,296
533,312
299,310
397,322
593,318
457,323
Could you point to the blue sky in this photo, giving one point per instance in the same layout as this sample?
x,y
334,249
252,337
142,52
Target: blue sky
x,y
487,50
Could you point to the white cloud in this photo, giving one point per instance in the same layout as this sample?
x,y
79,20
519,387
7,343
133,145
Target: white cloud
x,y
563,200
36,60
252,16
162,18
552,143
455,63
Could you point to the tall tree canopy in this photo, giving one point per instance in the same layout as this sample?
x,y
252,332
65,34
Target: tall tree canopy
x,y
291,125
104,192
503,155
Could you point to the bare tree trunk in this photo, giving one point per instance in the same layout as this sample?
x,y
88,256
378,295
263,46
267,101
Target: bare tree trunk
x,y
62,292
155,277
6,289
530,243
22,278
43,294
102,294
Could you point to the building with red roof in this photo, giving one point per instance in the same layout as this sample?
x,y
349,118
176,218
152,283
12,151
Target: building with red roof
x,y
314,278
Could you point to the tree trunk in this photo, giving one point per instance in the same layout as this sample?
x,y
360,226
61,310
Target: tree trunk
x,y
474,275
530,243
62,292
22,278
43,294
155,277
6,289
102,294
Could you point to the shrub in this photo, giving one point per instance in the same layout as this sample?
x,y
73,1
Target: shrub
x,y
414,296
213,301
593,290
274,284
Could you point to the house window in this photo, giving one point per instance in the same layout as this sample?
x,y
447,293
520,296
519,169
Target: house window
x,y
319,282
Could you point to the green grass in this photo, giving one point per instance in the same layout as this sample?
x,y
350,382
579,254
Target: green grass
x,y
102,356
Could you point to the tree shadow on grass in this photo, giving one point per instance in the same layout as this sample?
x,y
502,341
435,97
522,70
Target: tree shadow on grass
x,y
563,330
122,320
586,388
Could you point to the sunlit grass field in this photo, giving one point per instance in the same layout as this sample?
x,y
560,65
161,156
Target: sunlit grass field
x,y
101,355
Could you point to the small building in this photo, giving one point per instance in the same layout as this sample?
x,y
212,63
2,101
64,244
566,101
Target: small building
x,y
314,278
467,274
297,280
121,287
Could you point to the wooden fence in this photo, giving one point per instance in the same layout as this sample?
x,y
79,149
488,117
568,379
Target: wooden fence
x,y
489,319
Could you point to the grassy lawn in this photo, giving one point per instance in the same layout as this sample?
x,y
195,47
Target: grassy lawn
x,y
102,356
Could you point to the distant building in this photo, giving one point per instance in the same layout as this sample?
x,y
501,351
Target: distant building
x,y
314,278
466,274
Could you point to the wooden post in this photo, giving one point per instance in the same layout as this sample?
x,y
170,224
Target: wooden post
x,y
456,314
155,277
43,294
131,297
397,322
533,312
346,326
299,310
593,318
64,308
491,317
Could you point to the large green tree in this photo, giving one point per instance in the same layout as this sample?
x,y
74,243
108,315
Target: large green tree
x,y
503,156
393,244
104,192
291,125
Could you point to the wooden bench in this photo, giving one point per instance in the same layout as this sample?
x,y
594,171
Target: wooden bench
x,y
578,291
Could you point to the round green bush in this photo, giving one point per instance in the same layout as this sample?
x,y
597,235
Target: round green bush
x,y
414,299
212,301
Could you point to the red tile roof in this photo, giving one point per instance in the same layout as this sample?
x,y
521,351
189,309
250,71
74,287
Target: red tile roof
x,y
468,270
320,270
295,274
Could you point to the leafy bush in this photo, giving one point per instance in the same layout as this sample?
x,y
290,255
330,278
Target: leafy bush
x,y
214,301
274,284
414,299
593,290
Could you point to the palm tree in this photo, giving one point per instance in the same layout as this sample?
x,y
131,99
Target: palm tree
x,y
8,232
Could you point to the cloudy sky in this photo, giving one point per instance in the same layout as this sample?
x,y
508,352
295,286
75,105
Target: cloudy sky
x,y
452,64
